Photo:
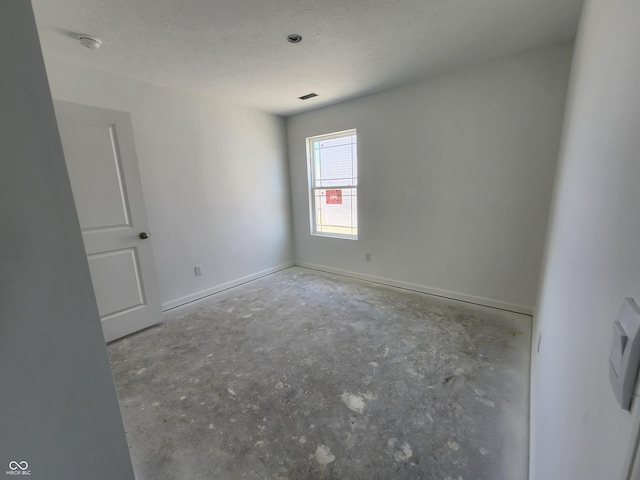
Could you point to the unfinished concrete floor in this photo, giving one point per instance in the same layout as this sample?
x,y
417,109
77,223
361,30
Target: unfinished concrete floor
x,y
304,375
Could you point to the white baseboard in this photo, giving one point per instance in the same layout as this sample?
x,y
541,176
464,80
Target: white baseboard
x,y
487,302
178,302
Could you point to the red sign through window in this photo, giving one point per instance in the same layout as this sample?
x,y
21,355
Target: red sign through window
x,y
334,197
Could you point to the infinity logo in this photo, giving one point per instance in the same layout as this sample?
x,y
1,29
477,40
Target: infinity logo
x,y
13,465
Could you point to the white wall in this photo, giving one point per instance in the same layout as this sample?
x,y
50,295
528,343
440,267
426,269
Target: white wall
x,y
455,177
58,406
593,254
214,177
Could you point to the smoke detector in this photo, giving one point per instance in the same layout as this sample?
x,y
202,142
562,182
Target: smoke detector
x,y
90,42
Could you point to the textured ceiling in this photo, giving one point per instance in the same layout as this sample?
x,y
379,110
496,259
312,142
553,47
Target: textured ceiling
x,y
236,50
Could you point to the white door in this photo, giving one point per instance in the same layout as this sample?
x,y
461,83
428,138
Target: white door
x,y
101,159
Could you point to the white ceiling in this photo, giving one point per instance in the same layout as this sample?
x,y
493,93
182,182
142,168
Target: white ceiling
x,y
236,50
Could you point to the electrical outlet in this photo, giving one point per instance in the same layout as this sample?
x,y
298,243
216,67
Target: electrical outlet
x,y
367,257
198,270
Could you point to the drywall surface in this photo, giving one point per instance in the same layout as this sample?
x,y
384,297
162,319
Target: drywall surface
x,y
59,415
455,179
214,178
593,254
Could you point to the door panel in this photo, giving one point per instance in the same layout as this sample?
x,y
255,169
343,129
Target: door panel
x,y
95,171
101,159
124,295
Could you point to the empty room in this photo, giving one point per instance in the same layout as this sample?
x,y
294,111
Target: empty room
x,y
319,240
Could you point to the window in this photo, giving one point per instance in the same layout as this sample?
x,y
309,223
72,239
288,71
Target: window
x,y
333,184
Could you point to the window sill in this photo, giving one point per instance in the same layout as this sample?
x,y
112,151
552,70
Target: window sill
x,y
334,235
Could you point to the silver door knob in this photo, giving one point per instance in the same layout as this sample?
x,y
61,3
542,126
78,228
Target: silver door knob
x,y
144,235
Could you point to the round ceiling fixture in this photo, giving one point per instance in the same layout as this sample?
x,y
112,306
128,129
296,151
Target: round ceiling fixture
x,y
294,38
90,42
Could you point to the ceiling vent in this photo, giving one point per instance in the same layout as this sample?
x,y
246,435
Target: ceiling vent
x,y
308,96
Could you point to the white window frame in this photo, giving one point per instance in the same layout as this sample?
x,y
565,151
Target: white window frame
x,y
312,188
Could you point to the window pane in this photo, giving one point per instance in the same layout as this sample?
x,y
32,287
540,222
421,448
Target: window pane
x,y
336,211
335,162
